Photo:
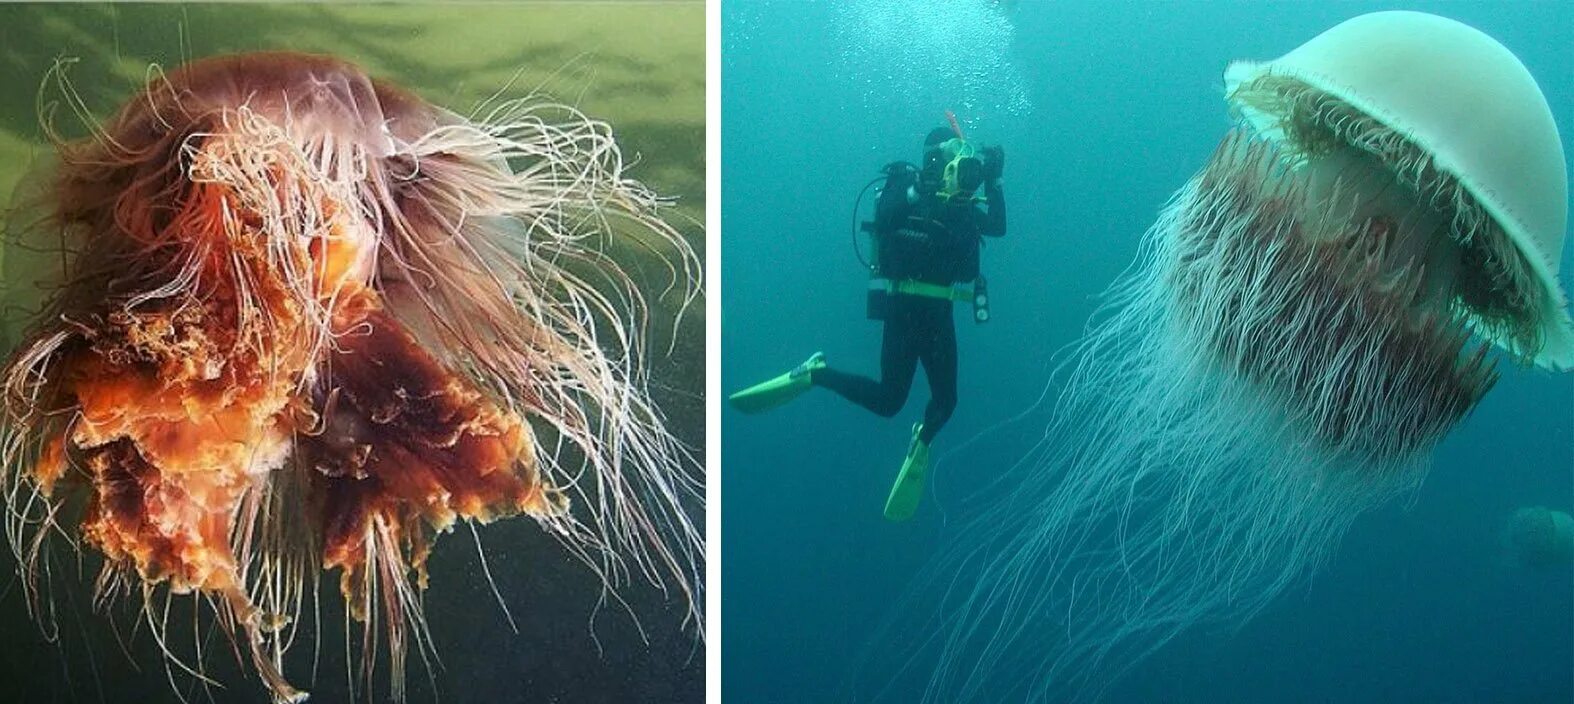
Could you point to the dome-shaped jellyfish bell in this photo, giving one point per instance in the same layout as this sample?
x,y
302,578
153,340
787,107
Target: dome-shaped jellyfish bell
x,y
1537,536
1399,181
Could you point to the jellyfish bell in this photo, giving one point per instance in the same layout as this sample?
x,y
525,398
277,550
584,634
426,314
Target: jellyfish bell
x,y
1311,313
272,287
1451,172
1539,537
1465,126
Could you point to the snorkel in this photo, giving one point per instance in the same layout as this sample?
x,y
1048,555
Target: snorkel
x,y
956,127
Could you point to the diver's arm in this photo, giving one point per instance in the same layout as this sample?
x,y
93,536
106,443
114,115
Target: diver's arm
x,y
994,199
893,204
994,210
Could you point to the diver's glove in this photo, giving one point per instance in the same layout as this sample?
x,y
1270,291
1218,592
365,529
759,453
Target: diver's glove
x,y
994,164
899,175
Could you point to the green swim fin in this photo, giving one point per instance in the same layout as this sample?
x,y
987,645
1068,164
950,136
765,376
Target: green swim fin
x,y
908,491
775,392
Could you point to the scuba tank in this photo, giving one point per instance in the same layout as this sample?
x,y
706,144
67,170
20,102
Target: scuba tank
x,y
899,174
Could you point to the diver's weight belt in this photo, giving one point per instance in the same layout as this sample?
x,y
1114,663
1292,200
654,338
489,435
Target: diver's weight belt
x,y
913,287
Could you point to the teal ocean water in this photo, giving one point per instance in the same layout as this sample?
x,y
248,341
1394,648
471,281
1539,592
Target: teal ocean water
x,y
1104,109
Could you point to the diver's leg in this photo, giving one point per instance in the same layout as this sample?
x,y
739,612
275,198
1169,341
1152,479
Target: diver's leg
x,y
934,338
938,354
898,364
778,390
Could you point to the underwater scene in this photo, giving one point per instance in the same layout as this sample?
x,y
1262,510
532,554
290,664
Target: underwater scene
x,y
352,353
1256,392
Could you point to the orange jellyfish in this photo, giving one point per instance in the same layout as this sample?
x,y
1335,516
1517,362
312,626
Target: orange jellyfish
x,y
288,318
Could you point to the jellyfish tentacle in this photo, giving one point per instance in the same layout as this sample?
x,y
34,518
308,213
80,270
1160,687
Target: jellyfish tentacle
x,y
511,249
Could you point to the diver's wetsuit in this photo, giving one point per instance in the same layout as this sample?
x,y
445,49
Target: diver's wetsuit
x,y
933,242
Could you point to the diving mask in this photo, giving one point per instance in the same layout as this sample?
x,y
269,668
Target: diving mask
x,y
961,172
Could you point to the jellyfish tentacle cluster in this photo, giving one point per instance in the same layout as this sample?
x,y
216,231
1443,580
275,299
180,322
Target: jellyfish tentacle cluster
x,y
1301,298
273,288
1309,316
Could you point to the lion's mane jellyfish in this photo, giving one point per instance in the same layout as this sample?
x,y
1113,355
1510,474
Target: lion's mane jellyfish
x,y
1310,314
1539,537
290,319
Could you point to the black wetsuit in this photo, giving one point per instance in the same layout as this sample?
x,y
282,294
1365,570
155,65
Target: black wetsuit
x,y
936,243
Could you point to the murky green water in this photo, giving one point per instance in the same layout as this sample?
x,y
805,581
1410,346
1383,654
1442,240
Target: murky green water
x,y
639,66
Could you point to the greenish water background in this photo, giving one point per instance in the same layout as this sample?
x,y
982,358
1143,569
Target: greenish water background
x,y
639,66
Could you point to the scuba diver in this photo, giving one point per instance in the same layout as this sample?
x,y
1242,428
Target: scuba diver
x,y
927,233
